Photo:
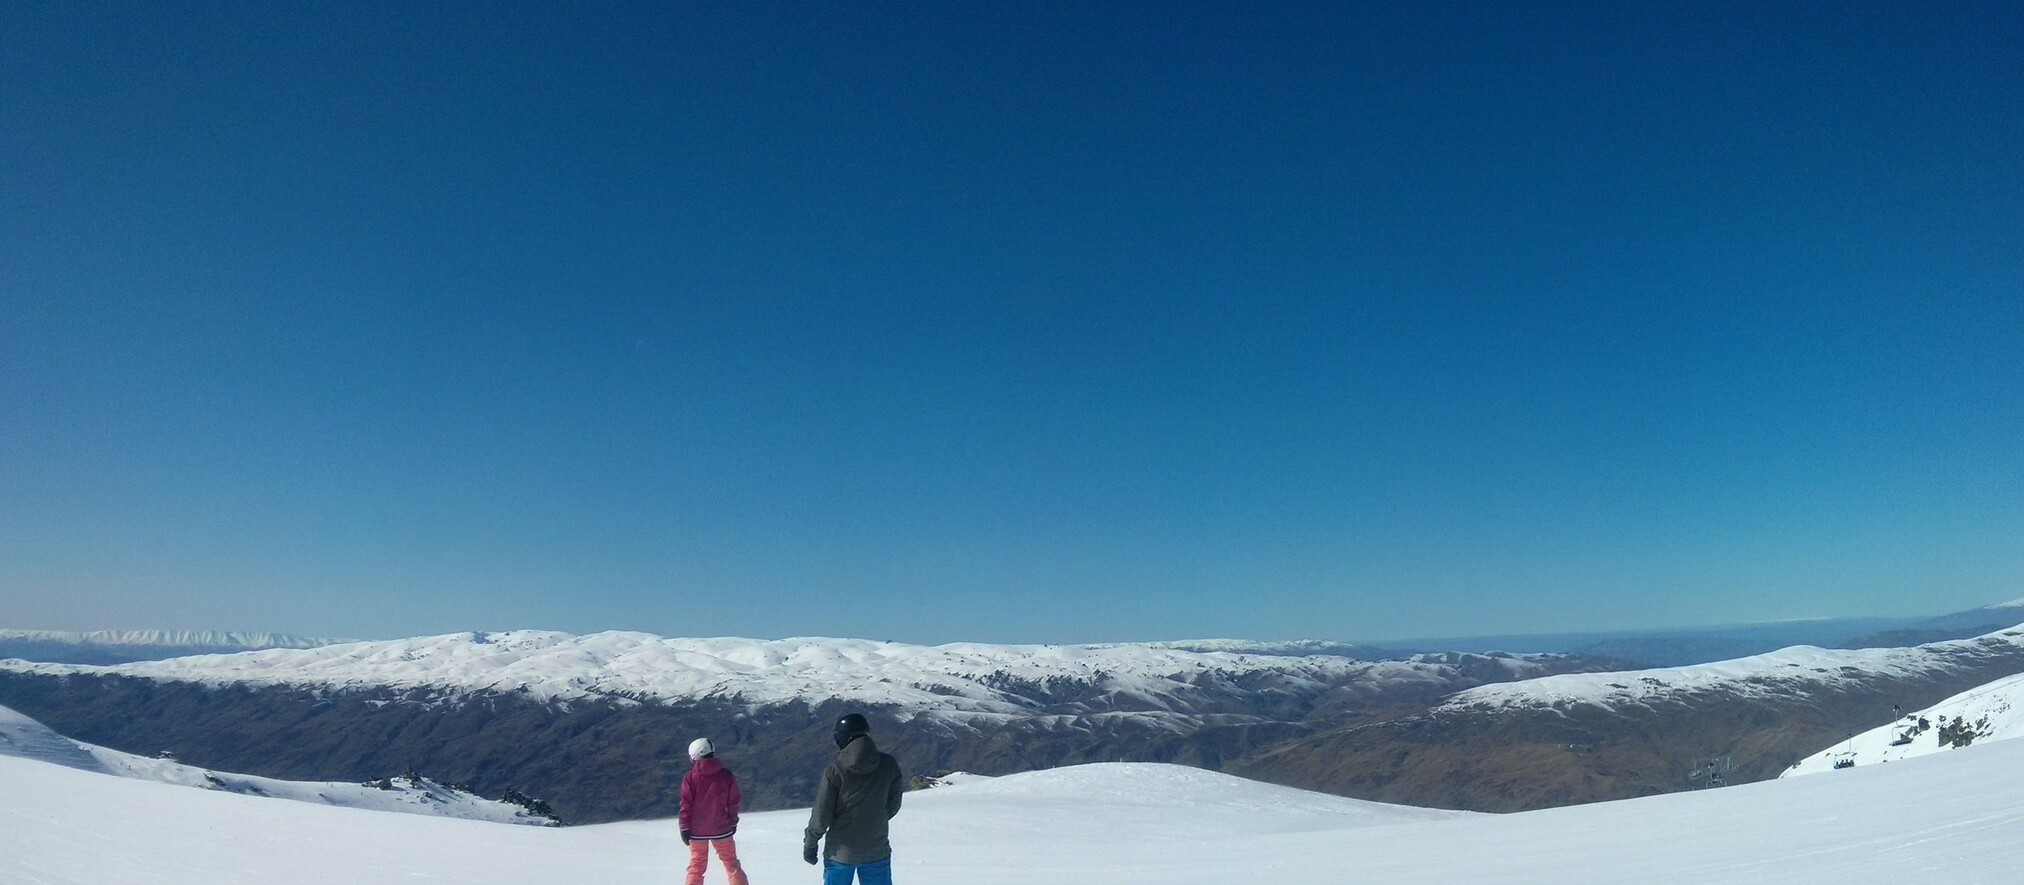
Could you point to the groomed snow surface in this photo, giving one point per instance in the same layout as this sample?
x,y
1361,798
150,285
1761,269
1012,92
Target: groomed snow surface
x,y
1952,817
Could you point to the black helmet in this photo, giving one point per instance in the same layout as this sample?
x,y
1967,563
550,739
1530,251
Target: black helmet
x,y
850,726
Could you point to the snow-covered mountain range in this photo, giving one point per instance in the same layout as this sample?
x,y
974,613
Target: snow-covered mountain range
x,y
23,737
1796,669
222,639
1584,737
950,679
944,680
588,721
120,646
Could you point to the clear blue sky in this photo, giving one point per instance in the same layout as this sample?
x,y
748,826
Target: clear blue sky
x,y
1008,322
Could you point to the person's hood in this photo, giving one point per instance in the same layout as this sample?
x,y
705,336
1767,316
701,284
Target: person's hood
x,y
707,766
860,756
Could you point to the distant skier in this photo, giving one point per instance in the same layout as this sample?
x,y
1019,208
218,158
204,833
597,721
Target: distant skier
x,y
860,792
709,814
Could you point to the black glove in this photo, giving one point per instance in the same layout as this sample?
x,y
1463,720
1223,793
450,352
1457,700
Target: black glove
x,y
685,837
808,851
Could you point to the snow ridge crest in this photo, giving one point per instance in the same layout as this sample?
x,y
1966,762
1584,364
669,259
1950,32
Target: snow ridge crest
x,y
635,667
1761,675
223,639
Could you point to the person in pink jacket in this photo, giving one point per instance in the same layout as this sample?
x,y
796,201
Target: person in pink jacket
x,y
709,814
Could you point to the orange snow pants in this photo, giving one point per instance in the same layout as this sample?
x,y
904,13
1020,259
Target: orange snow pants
x,y
727,853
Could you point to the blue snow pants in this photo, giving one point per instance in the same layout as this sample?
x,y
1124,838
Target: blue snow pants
x,y
880,873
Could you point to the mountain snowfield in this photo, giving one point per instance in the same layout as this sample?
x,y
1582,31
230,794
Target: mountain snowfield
x,y
221,639
121,646
1952,817
1757,675
1992,712
969,678
24,738
960,678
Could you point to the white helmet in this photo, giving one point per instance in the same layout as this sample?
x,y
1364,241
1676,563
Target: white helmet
x,y
700,747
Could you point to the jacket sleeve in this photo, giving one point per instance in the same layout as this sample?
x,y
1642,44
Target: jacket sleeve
x,y
824,812
732,802
897,790
688,799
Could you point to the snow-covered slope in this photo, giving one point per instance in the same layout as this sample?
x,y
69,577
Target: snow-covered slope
x,y
1141,799
1103,823
24,738
407,794
1990,712
1799,668
961,677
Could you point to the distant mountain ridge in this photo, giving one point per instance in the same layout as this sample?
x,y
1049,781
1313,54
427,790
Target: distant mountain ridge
x,y
1787,671
1572,738
1674,647
1957,625
1683,646
220,638
945,680
1290,648
596,724
126,646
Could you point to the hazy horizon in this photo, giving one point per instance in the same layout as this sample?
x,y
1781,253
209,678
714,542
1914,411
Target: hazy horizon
x,y
1429,642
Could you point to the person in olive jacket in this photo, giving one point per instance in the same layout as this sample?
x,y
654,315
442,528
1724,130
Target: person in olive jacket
x,y
859,793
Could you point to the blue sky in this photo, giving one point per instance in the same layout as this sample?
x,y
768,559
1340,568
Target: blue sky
x,y
1045,322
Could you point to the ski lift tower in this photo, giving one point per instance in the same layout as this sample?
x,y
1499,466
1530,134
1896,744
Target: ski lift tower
x,y
1714,774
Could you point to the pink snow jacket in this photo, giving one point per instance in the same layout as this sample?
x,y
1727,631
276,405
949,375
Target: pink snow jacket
x,y
709,801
